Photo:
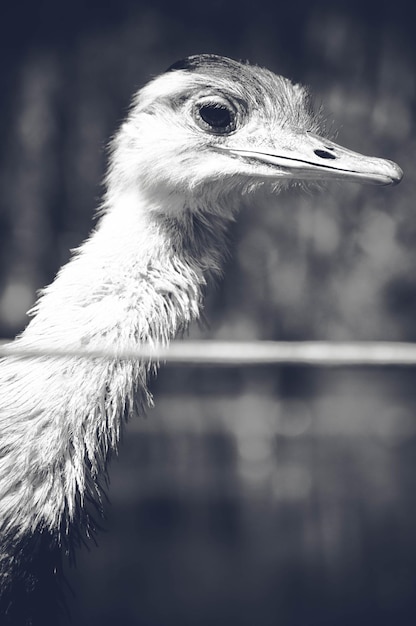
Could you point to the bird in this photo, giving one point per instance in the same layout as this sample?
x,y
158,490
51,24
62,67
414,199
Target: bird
x,y
198,139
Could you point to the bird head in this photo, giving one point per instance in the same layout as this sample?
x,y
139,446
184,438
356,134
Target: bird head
x,y
210,125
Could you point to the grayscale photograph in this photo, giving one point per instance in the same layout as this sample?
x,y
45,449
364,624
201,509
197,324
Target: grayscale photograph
x,y
208,314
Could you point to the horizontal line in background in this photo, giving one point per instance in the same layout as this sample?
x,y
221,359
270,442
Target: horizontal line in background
x,y
320,353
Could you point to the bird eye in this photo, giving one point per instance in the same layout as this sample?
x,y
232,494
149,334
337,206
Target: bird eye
x,y
215,117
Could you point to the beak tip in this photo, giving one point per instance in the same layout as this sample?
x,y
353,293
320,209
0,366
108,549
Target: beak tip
x,y
383,172
390,172
398,174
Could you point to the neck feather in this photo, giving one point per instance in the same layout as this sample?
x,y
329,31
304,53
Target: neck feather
x,y
138,279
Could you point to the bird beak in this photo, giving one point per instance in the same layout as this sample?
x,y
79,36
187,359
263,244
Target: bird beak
x,y
308,156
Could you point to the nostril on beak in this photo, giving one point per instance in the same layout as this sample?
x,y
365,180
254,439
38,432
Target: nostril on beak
x,y
323,154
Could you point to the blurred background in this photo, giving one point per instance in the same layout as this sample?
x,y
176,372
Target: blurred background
x,y
261,495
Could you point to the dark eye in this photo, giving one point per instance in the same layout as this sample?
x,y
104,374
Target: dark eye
x,y
215,117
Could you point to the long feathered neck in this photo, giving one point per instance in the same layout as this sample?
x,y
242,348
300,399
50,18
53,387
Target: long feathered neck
x,y
138,279
134,280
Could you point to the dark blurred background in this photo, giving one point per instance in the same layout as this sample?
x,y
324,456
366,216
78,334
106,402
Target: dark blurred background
x,y
249,496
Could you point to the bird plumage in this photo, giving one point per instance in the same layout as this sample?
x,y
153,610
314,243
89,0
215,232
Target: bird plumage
x,y
197,138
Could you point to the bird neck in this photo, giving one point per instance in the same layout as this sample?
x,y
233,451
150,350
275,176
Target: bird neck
x,y
138,279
